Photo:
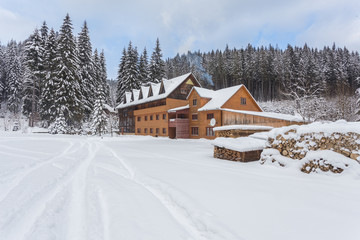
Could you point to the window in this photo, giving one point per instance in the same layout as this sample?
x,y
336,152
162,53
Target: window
x,y
145,118
139,119
151,130
210,131
164,116
145,130
183,91
139,130
157,130
194,117
151,117
164,130
209,116
243,101
194,102
157,116
195,131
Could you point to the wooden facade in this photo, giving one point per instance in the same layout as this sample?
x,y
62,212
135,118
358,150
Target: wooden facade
x,y
188,110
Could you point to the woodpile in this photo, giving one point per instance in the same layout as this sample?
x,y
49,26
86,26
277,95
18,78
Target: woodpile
x,y
296,146
232,155
314,165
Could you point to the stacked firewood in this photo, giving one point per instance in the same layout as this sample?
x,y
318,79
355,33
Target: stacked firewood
x,y
227,154
296,146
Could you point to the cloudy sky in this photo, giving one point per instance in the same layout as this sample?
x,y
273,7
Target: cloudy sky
x,y
183,25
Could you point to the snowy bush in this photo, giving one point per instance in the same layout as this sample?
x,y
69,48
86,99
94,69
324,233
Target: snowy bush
x,y
59,126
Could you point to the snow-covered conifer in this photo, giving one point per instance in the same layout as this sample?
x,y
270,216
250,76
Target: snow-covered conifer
x,y
144,67
99,118
157,65
86,70
68,96
103,76
33,77
120,88
47,100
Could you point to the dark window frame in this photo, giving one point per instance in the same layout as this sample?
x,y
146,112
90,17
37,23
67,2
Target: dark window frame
x,y
210,116
243,101
193,118
210,132
194,102
194,131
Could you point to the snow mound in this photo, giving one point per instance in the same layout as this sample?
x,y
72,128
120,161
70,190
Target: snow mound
x,y
327,128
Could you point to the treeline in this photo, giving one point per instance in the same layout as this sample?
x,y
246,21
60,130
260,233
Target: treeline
x,y
53,76
271,73
308,76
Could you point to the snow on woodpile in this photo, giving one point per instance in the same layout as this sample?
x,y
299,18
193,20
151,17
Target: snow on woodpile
x,y
242,144
319,146
243,127
235,131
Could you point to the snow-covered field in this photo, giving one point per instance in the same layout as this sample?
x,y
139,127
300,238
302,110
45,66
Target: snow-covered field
x,y
72,187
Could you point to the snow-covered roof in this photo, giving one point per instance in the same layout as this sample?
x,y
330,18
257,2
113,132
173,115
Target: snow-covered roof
x,y
178,108
128,96
136,93
169,85
109,108
243,127
281,116
218,97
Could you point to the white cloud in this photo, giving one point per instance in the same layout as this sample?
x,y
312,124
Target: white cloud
x,y
13,26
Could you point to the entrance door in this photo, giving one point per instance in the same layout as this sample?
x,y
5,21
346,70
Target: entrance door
x,y
172,132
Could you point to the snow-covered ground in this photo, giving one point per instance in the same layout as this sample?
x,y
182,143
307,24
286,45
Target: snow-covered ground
x,y
72,187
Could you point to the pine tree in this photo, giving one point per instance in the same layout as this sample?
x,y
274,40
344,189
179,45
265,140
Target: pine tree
x,y
143,67
33,76
99,118
87,70
47,100
15,76
68,98
103,76
131,69
157,65
120,88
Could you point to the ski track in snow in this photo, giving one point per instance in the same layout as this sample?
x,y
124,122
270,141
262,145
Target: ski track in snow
x,y
59,186
196,227
21,214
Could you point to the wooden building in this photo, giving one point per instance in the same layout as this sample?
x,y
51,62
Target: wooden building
x,y
144,111
181,108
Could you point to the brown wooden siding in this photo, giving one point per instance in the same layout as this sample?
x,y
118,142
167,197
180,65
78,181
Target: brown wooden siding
x,y
232,118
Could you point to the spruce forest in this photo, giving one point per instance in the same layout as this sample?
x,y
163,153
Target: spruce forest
x,y
57,79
